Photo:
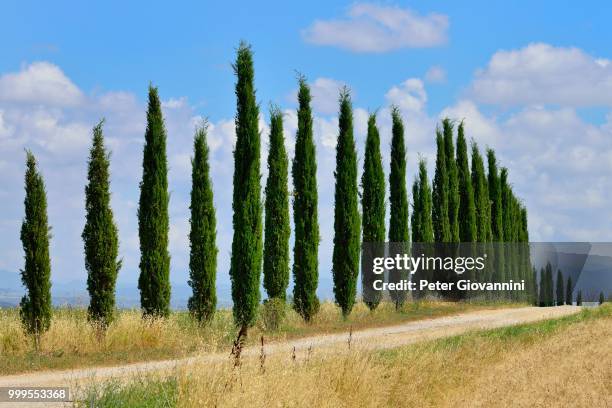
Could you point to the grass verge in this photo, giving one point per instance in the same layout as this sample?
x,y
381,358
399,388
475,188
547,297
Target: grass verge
x,y
558,362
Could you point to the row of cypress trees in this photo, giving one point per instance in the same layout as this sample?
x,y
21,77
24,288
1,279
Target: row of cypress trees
x,y
462,205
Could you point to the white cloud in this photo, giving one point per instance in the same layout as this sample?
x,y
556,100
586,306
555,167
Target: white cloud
x,y
435,74
374,28
39,83
543,74
410,95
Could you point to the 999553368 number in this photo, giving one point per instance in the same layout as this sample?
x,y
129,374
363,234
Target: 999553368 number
x,y
31,394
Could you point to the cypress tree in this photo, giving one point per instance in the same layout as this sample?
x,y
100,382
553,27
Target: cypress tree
x,y
153,221
305,218
441,226
373,199
543,289
568,292
35,306
602,298
560,291
277,230
203,233
398,198
495,198
346,213
579,298
100,234
481,197
467,210
422,227
453,181
245,269
550,297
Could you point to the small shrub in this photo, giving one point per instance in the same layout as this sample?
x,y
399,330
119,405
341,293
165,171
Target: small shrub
x,y
273,313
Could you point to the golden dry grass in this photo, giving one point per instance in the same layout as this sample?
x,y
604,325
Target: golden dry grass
x,y
72,342
557,363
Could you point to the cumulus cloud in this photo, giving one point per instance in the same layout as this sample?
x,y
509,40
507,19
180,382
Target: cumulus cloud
x,y
543,74
374,28
39,83
410,95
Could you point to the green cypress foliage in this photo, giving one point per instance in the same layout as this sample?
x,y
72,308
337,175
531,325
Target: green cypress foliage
x,y
245,269
560,291
543,290
398,221
305,218
35,306
346,213
153,222
441,226
568,292
398,194
277,230
495,197
203,233
506,198
602,298
467,211
422,228
100,234
579,298
453,180
550,297
373,197
481,197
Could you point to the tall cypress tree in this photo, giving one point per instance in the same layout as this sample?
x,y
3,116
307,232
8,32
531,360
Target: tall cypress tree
x,y
467,209
560,291
481,197
543,289
35,306
153,221
441,225
346,212
495,198
569,291
422,227
305,216
203,233
453,180
579,298
100,234
245,269
398,220
550,296
277,230
373,200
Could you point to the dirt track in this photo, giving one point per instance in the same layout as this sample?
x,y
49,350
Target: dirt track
x,y
377,338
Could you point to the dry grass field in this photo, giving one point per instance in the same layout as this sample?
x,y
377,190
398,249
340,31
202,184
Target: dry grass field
x,y
73,342
554,363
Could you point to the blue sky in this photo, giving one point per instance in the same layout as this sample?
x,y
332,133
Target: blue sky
x,y
532,80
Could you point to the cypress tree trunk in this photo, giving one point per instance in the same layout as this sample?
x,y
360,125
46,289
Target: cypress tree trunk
x,y
398,220
569,299
560,291
153,222
346,213
467,209
35,306
453,180
373,200
203,234
305,215
100,235
481,197
277,230
245,269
